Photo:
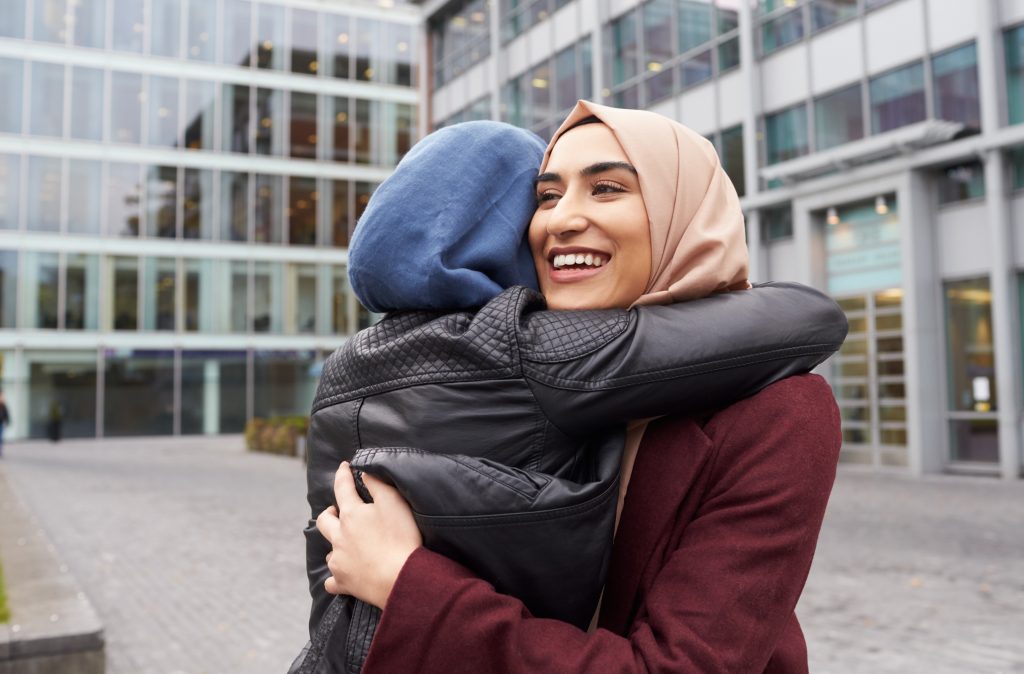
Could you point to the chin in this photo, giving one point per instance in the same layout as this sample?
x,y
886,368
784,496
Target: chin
x,y
565,301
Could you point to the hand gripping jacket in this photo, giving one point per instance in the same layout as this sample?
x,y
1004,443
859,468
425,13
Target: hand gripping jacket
x,y
517,417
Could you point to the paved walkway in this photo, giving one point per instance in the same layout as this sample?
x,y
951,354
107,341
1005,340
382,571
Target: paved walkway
x,y
191,551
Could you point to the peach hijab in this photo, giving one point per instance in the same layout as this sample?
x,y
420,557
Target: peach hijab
x,y
698,245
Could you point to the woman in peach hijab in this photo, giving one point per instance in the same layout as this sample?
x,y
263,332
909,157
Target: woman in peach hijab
x,y
714,543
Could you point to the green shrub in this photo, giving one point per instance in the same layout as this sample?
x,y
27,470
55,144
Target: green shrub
x,y
276,435
5,612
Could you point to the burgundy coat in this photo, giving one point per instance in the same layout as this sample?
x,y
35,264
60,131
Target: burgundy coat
x,y
716,539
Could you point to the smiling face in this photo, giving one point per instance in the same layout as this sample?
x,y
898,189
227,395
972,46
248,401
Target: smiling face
x,y
590,236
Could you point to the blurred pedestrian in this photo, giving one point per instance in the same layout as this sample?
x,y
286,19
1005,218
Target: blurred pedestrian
x,y
54,424
5,419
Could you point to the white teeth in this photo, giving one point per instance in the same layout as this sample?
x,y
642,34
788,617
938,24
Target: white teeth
x,y
571,259
598,261
580,258
589,259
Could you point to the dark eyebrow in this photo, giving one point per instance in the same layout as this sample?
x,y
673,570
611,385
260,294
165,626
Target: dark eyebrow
x,y
592,170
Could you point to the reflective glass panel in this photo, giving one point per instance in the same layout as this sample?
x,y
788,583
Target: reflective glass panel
x,y
586,70
897,98
199,114
10,106
87,103
403,39
12,19
1013,43
270,50
732,157
729,55
239,296
367,50
82,292
129,25
304,42
47,114
84,196
126,293
8,288
165,28
162,201
367,114
164,129
566,91
363,192
405,127
40,287
301,299
269,213
970,353
340,323
303,136
88,22
1016,159
782,30
302,210
786,134
340,210
44,194
10,187
961,182
202,30
623,49
777,224
695,70
124,199
824,13
213,392
339,41
341,140
50,20
270,122
237,43
158,281
657,29
235,130
694,27
138,393
284,383
234,204
197,216
199,295
540,94
62,394
956,86
975,440
838,118
126,108
267,297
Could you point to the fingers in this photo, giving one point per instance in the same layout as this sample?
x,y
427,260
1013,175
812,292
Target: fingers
x,y
345,493
378,488
327,523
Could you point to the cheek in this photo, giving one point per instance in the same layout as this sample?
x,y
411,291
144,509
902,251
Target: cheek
x,y
535,236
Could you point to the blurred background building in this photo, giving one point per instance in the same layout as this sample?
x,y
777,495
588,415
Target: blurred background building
x,y
878,146
178,179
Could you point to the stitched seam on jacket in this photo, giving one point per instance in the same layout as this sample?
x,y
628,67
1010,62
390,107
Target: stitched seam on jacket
x,y
700,368
449,377
370,454
537,355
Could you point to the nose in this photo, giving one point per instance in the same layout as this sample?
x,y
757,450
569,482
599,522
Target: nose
x,y
567,218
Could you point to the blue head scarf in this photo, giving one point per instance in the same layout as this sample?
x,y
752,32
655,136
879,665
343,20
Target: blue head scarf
x,y
447,229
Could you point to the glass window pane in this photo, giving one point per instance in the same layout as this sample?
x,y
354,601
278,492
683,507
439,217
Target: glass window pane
x,y
301,299
367,50
129,25
405,127
786,134
126,293
12,19
341,220
88,19
566,91
586,69
49,20
340,132
270,37
303,134
44,192
695,70
961,182
39,284
338,46
162,201
363,193
1016,159
163,112
199,288
62,394
47,115
897,98
202,27
824,13
10,187
237,40
165,28
213,392
366,151
623,50
270,125
729,55
969,349
540,94
87,102
782,30
304,42
728,15
239,296
302,210
267,297
199,114
197,216
838,118
732,157
82,292
404,55
10,106
8,288
235,131
284,383
138,393
126,108
340,324
1013,41
158,281
694,24
84,195
777,223
124,199
234,203
974,440
956,87
269,212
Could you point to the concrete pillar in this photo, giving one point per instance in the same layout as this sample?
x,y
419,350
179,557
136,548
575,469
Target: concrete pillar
x,y
752,82
922,329
758,268
16,381
211,397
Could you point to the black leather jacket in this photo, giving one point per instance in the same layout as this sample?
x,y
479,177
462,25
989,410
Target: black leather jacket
x,y
517,415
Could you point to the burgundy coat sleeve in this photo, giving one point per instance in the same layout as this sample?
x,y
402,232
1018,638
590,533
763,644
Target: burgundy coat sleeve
x,y
713,590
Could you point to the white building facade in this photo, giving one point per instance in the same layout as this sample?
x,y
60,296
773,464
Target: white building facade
x,y
178,181
878,147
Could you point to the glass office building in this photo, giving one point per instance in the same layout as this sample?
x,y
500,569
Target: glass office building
x,y
178,182
878,148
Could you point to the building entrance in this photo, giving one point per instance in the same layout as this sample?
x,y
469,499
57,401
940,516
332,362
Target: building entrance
x,y
869,382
